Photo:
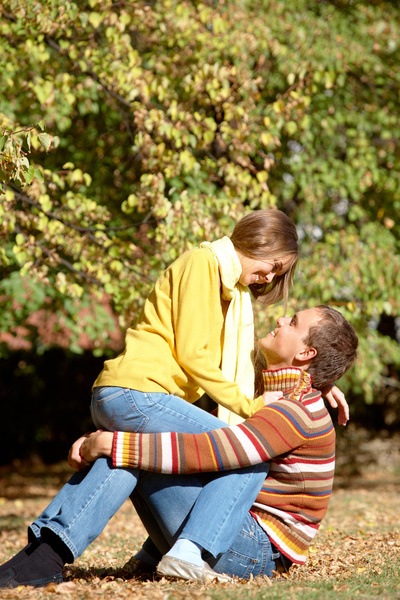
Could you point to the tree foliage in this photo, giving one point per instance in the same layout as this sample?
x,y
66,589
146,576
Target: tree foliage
x,y
131,131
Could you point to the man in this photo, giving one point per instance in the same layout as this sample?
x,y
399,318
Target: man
x,y
202,521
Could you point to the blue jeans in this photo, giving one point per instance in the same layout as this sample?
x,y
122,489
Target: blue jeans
x,y
165,503
122,409
86,503
248,549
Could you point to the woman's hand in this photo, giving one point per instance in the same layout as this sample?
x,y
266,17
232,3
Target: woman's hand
x,y
270,397
96,444
337,399
75,459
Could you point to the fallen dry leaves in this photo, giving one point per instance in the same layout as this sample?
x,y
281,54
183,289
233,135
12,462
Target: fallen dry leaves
x,y
361,533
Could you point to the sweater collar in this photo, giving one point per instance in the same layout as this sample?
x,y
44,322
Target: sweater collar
x,y
230,267
292,381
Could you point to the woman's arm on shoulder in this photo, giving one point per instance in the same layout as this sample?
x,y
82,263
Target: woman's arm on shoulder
x,y
337,399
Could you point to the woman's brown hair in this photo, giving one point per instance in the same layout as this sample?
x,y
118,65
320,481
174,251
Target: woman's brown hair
x,y
269,235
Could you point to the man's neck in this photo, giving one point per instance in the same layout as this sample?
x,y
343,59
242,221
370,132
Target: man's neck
x,y
281,365
296,364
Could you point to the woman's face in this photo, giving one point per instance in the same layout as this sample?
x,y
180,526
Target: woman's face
x,y
260,271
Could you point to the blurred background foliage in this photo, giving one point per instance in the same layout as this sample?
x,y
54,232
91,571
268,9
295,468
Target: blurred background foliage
x,y
131,131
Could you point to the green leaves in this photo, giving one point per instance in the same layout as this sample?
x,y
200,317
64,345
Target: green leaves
x,y
133,131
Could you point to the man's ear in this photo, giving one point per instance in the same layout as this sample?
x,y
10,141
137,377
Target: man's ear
x,y
306,355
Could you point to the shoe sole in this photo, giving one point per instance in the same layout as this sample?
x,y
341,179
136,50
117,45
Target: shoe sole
x,y
182,570
11,583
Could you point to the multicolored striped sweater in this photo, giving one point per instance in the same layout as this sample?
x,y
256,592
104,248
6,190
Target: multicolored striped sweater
x,y
295,434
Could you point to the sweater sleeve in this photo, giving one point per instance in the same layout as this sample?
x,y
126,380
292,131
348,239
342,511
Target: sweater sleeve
x,y
195,300
275,430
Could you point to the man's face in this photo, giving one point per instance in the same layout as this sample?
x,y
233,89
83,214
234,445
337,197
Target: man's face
x,y
282,346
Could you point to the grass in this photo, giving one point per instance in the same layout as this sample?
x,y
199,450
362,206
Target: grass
x,y
356,553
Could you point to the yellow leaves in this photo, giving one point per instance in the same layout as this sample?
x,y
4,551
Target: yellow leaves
x,y
173,110
117,266
45,140
38,51
335,567
44,91
132,201
205,14
188,161
61,282
21,256
262,176
76,175
278,106
67,587
219,25
95,19
209,133
125,19
154,181
161,207
327,78
20,239
5,261
14,164
269,140
291,127
45,202
211,105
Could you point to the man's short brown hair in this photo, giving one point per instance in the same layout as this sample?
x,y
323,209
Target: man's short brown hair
x,y
336,344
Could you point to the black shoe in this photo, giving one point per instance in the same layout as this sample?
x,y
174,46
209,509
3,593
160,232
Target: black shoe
x,y
138,569
9,580
18,558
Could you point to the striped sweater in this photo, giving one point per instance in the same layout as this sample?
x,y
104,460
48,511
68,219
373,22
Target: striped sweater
x,y
295,434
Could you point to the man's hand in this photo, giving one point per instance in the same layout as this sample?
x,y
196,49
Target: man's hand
x,y
337,399
96,444
75,459
270,397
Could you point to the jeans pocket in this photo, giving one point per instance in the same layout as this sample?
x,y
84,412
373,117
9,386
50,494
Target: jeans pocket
x,y
115,408
249,555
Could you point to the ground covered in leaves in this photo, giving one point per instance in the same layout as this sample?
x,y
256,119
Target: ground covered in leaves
x,y
359,538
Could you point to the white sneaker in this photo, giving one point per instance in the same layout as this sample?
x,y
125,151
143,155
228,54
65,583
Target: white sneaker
x,y
176,568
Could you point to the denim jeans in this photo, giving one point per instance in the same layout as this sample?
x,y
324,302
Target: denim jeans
x,y
83,507
122,409
248,549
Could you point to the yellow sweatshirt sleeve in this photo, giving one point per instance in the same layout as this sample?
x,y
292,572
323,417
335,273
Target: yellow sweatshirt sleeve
x,y
198,327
